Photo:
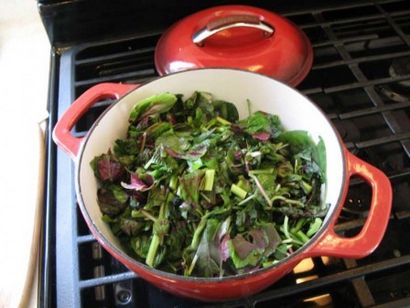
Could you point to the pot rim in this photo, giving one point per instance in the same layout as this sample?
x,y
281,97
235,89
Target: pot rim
x,y
299,254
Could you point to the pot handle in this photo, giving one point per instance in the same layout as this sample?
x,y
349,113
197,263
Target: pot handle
x,y
62,131
364,243
233,21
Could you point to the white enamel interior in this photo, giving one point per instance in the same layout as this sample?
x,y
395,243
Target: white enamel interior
x,y
295,111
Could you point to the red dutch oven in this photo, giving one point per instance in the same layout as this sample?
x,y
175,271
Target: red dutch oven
x,y
295,111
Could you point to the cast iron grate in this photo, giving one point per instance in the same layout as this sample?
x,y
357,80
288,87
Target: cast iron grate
x,y
355,46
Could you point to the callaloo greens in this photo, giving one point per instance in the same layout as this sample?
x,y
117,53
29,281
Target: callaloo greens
x,y
195,191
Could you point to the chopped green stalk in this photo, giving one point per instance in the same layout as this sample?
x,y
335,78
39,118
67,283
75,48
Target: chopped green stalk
x,y
286,227
306,187
144,139
205,197
289,201
314,227
191,267
198,232
298,226
153,247
262,171
247,200
302,236
136,213
244,184
209,179
173,182
223,121
261,190
147,215
161,226
235,189
179,191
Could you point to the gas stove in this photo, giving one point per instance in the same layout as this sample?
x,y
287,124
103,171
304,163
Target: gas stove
x,y
360,79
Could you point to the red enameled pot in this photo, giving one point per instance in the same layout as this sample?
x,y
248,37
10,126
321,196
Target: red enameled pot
x,y
295,111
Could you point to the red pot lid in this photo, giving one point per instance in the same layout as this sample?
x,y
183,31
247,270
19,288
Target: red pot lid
x,y
236,36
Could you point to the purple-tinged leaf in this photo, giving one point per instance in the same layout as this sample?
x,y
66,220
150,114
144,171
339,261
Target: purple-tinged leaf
x,y
261,136
139,183
224,248
237,155
258,238
222,239
190,185
208,252
108,169
273,238
242,247
193,153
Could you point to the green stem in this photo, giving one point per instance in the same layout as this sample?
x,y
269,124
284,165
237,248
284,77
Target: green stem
x,y
290,201
302,236
191,267
148,215
157,238
238,191
261,190
152,251
298,226
198,231
223,121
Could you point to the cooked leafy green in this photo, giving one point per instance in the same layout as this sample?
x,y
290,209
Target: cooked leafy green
x,y
195,191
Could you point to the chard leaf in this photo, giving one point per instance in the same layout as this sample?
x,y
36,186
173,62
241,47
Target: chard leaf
x,y
171,141
261,136
106,168
130,226
190,185
140,245
208,250
298,141
226,110
262,122
224,248
139,182
195,152
151,105
319,157
273,238
251,259
125,147
108,203
157,129
223,238
118,193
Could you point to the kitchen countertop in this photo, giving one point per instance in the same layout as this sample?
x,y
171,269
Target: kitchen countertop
x,y
24,68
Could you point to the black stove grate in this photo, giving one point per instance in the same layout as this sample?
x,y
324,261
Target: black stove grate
x,y
351,80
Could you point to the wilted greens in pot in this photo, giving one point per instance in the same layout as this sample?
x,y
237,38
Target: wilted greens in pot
x,y
195,191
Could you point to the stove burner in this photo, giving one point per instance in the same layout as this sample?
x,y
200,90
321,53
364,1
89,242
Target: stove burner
x,y
401,67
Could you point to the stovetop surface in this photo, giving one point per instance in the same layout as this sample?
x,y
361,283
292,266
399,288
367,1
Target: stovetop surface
x,y
356,80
